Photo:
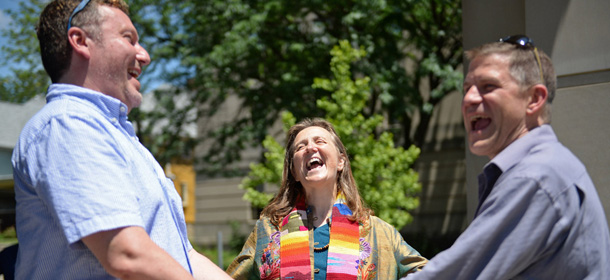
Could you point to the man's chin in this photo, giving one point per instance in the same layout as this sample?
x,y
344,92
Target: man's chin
x,y
479,148
134,98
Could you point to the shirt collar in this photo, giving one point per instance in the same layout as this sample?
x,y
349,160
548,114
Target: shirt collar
x,y
109,106
509,157
519,148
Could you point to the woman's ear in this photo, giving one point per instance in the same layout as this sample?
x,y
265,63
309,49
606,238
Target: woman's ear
x,y
77,38
341,162
292,172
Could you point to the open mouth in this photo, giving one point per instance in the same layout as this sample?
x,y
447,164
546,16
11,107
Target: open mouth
x,y
314,162
133,73
479,123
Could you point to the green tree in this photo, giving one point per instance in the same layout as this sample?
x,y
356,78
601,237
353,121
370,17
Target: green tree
x,y
27,78
21,53
268,52
382,171
164,127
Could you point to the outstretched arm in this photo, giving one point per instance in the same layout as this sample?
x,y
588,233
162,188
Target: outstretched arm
x,y
204,269
129,253
514,226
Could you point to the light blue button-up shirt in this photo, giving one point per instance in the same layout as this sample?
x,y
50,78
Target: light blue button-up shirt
x,y
80,169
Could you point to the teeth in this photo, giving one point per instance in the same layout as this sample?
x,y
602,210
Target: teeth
x,y
133,73
314,160
475,118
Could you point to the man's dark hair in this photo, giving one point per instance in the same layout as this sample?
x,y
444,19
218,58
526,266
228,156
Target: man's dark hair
x,y
52,31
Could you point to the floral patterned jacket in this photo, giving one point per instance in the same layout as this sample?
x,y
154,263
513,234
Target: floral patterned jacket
x,y
383,253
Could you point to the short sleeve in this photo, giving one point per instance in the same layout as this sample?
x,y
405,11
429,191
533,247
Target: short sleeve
x,y
80,174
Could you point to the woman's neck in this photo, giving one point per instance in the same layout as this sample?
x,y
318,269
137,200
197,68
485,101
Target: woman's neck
x,y
321,201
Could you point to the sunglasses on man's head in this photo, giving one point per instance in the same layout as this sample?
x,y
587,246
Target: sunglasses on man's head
x,y
78,8
519,40
524,42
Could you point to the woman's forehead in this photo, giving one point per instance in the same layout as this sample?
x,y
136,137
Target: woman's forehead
x,y
311,132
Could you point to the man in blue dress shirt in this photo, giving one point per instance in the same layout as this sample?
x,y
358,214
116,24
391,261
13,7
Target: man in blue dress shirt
x,y
92,202
539,215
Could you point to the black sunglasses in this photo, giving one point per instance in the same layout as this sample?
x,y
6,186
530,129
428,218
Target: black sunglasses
x,y
78,8
524,42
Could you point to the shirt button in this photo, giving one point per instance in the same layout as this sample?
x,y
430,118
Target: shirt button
x,y
316,270
122,109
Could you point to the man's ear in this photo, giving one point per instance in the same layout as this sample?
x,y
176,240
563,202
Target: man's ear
x,y
538,95
77,38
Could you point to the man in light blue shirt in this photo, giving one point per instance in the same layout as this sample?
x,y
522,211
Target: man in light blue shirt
x,y
539,215
92,202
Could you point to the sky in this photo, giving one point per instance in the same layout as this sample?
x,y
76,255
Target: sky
x,y
4,22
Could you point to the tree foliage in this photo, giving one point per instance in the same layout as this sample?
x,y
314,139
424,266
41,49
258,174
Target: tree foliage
x,y
382,171
166,127
267,53
21,53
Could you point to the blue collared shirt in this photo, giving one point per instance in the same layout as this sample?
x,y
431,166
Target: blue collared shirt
x,y
79,169
539,218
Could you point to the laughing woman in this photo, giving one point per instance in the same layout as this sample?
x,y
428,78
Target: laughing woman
x,y
317,227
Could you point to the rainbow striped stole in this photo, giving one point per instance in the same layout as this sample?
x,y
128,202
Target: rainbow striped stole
x,y
294,245
343,251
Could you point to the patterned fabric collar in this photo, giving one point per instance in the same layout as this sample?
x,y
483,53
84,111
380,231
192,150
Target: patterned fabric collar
x,y
343,251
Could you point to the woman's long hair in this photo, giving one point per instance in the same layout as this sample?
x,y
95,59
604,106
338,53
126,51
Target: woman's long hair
x,y
291,190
